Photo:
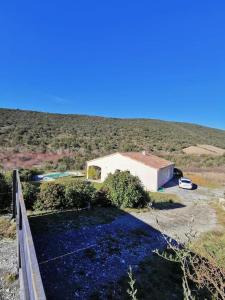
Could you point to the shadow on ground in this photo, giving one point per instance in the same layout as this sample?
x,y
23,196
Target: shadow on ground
x,y
167,205
173,182
86,255
194,186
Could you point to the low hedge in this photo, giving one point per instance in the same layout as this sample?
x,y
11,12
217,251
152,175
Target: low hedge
x,y
5,191
52,195
78,194
120,189
30,193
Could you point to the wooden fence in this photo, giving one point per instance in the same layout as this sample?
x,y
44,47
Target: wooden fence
x,y
31,286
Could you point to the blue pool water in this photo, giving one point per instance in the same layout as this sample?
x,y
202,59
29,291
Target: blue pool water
x,y
55,175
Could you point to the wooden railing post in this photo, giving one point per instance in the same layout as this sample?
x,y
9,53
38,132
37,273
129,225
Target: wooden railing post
x,y
14,190
31,285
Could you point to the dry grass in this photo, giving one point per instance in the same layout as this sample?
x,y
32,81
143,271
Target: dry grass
x,y
217,150
156,278
220,213
213,242
10,277
7,229
204,150
164,197
207,179
195,150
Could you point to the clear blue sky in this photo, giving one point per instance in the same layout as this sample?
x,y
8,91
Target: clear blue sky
x,y
153,59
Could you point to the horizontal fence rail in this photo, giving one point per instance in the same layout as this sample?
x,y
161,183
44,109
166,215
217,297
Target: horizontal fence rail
x,y
31,286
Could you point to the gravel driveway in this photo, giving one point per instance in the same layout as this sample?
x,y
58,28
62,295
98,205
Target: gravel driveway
x,y
196,205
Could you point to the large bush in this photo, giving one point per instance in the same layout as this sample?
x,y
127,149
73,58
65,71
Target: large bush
x,y
5,192
51,196
78,194
30,193
125,190
29,174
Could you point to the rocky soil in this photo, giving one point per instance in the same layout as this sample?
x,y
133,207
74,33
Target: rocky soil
x,y
9,285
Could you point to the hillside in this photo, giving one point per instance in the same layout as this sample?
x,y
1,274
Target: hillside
x,y
89,136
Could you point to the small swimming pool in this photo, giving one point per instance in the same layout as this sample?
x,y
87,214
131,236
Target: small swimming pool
x,y
52,176
56,175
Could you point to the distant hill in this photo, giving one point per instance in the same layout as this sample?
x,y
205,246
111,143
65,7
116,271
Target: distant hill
x,y
43,131
90,136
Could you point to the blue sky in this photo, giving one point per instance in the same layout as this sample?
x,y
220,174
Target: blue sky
x,y
153,59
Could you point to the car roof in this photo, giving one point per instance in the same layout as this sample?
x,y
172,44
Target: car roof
x,y
184,178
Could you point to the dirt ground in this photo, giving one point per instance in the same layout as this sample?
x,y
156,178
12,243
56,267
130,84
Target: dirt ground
x,y
78,260
195,212
11,159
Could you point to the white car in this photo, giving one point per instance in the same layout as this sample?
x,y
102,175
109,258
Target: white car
x,y
185,183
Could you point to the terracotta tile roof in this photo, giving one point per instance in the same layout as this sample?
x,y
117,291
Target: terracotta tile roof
x,y
148,159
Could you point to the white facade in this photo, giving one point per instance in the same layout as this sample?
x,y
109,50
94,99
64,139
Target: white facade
x,y
150,177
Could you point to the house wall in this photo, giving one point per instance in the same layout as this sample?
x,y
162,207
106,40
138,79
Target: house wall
x,y
111,163
164,175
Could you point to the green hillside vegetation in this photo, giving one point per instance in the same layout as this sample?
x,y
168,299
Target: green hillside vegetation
x,y
89,136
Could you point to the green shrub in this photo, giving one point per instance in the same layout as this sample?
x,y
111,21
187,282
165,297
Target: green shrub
x,y
51,196
5,192
78,194
30,193
94,173
125,190
101,199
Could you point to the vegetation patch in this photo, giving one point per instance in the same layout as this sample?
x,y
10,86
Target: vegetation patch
x,y
30,193
155,279
125,190
212,244
10,277
165,201
205,179
5,191
190,162
97,185
66,142
164,197
7,228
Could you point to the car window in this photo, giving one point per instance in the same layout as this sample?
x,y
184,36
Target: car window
x,y
186,181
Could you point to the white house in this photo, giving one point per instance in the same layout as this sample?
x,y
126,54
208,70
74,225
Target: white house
x,y
152,170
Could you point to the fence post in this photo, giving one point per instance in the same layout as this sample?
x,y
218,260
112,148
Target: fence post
x,y
31,285
14,190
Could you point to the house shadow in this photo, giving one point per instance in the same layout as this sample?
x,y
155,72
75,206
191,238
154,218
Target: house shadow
x,y
167,205
173,182
87,255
